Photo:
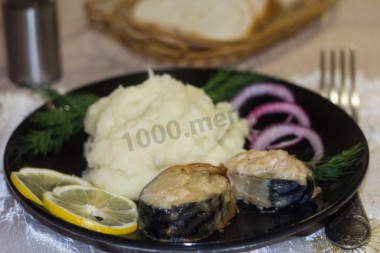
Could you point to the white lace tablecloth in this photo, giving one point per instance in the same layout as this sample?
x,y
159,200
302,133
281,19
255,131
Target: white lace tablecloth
x,y
88,55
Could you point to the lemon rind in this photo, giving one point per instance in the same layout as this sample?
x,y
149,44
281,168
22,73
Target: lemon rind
x,y
27,193
75,219
24,190
32,170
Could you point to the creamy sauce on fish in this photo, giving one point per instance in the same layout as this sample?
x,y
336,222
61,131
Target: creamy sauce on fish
x,y
179,185
272,164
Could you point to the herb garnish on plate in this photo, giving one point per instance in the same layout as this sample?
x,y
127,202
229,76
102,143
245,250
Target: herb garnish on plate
x,y
64,117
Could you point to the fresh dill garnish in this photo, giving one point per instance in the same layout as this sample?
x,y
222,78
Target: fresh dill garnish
x,y
333,167
64,115
226,83
62,119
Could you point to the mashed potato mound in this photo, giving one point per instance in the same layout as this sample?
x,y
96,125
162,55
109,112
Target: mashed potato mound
x,y
138,131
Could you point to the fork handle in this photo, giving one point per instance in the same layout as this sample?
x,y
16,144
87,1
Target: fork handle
x,y
350,228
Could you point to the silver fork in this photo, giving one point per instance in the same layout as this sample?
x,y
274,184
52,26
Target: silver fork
x,y
346,98
349,228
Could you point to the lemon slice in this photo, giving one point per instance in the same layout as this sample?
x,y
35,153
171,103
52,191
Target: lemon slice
x,y
33,182
92,208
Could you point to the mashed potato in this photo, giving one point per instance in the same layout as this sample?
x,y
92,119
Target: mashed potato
x,y
138,131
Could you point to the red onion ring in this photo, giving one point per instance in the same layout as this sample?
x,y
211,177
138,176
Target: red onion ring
x,y
279,107
285,144
259,89
292,109
274,132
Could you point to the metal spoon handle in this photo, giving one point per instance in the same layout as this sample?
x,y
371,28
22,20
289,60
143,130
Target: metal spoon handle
x,y
350,228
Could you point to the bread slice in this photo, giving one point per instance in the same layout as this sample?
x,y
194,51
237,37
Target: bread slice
x,y
221,20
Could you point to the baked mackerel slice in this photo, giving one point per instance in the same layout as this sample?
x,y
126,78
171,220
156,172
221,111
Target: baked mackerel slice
x,y
270,179
186,203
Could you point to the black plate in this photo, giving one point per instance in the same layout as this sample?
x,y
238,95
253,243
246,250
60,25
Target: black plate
x,y
249,228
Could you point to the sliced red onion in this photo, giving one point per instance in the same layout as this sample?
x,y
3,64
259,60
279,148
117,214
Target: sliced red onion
x,y
259,89
274,132
279,107
292,109
285,144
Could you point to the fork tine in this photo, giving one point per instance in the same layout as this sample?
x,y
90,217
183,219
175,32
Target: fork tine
x,y
354,100
343,96
342,74
332,93
352,67
322,67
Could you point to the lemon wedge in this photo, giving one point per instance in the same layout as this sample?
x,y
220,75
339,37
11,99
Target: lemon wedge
x,y
92,208
33,182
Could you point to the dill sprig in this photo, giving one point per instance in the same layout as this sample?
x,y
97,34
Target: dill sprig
x,y
333,167
226,83
64,114
62,119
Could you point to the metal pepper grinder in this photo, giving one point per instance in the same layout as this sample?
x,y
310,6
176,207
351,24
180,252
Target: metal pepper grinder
x,y
31,37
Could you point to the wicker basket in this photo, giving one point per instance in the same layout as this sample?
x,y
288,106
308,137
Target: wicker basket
x,y
113,16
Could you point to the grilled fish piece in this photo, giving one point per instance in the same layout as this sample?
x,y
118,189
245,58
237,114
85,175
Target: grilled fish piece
x,y
186,203
270,179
